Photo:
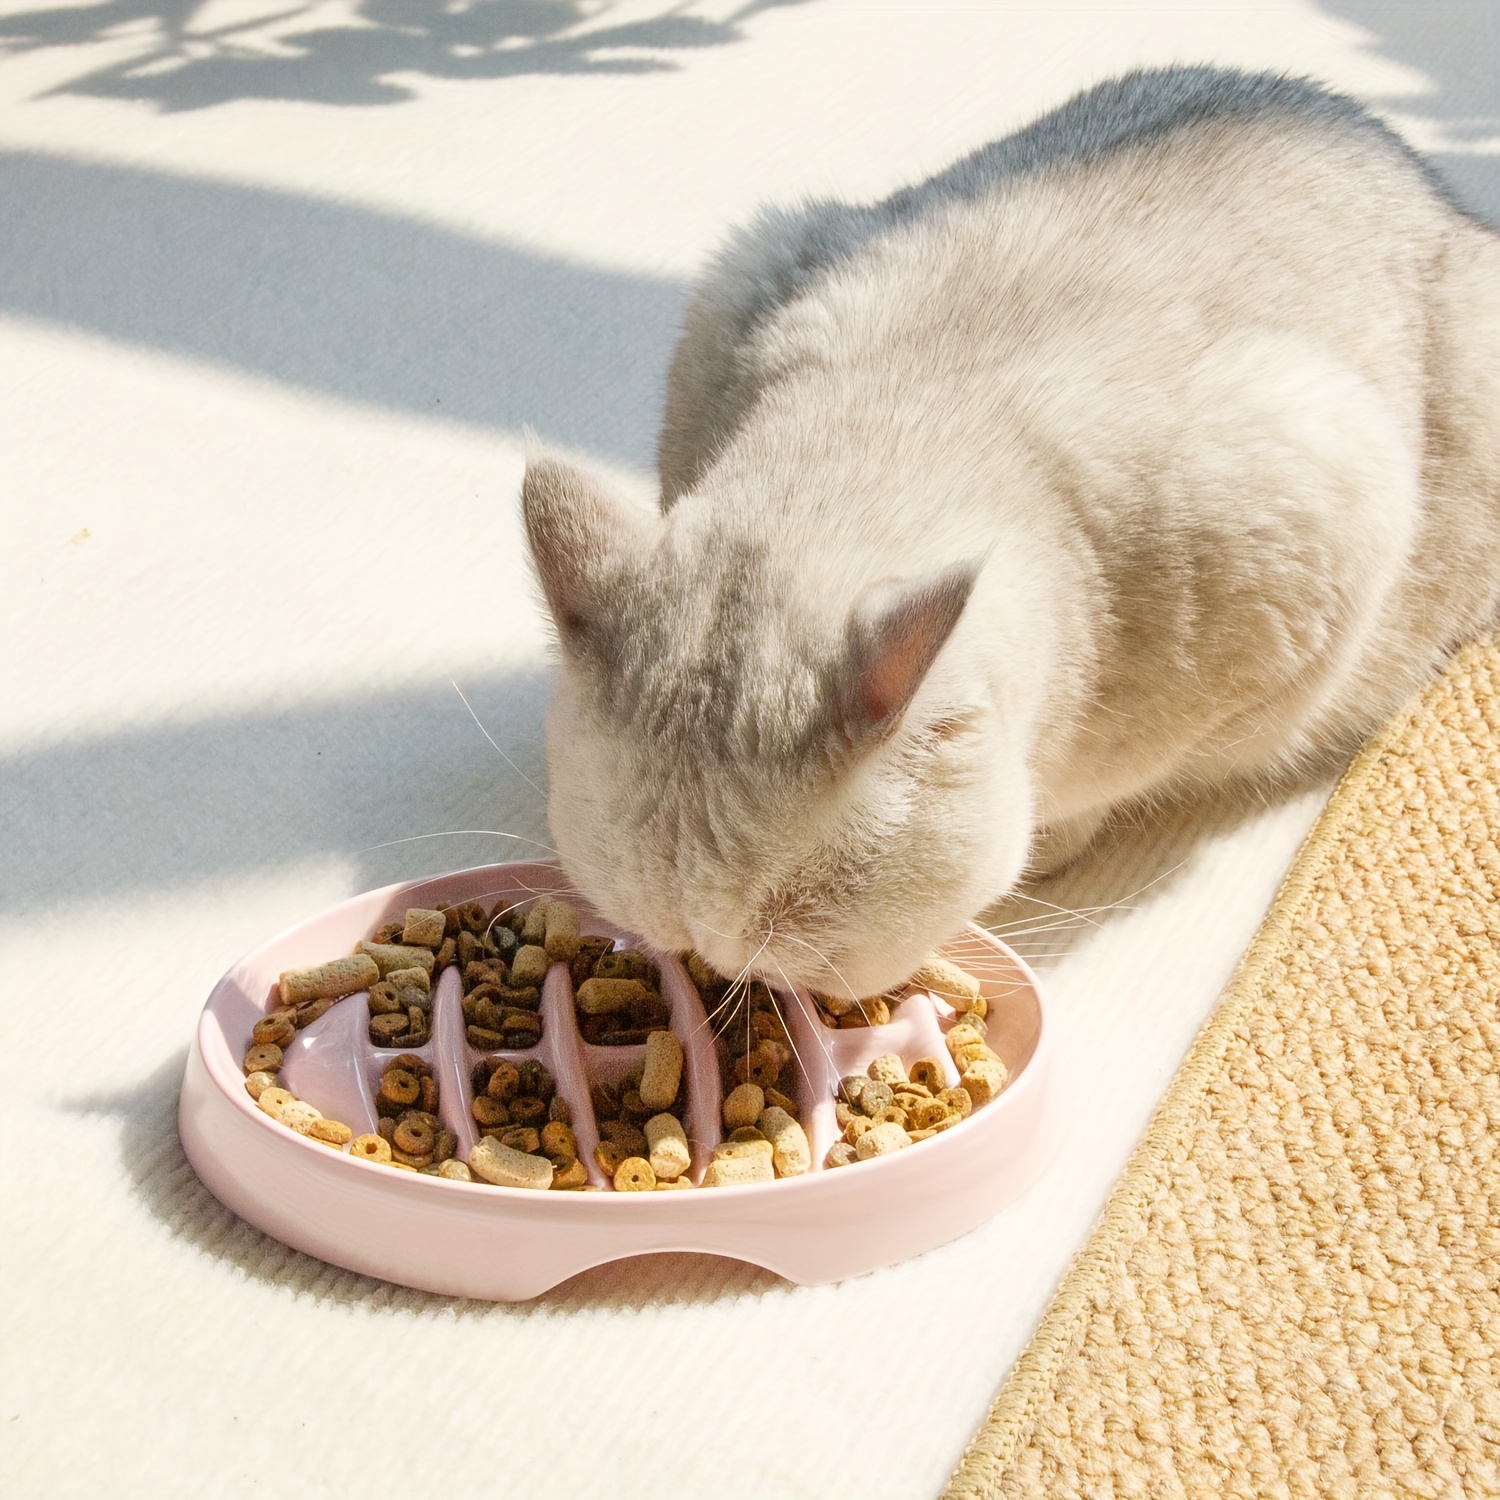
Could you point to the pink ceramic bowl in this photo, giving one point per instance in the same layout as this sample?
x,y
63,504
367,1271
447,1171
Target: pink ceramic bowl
x,y
506,1244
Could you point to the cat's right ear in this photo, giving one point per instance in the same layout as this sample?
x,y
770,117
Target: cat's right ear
x,y
584,543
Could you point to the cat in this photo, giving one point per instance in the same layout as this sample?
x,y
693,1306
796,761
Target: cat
x,y
1156,444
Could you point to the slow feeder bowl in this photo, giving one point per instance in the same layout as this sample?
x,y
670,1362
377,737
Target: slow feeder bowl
x,y
506,1244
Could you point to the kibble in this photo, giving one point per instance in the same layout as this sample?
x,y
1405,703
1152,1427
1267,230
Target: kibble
x,y
617,995
424,928
504,1166
667,1147
516,1106
333,980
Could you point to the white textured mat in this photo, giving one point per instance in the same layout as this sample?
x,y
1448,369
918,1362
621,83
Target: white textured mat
x,y
278,290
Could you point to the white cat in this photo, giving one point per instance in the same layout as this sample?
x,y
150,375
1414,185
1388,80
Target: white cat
x,y
1157,443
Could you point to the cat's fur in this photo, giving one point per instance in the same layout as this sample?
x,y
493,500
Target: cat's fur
x,y
1159,442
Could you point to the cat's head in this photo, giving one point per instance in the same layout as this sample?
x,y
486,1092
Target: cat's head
x,y
742,764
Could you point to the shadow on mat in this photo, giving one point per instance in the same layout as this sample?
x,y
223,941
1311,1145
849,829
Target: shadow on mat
x,y
166,1184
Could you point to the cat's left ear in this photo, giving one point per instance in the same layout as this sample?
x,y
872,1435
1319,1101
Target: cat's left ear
x,y
587,544
891,640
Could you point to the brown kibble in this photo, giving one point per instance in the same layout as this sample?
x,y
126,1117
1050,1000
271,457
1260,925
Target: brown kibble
x,y
609,1156
534,923
386,1128
558,1139
313,1010
370,1148
568,1174
278,1028
662,1071
881,1140
634,1175
429,1093
414,1136
265,1058
929,1072
399,1088
599,997
489,1112
384,1001
504,1081
423,928
387,932
505,1167
760,1067
481,1039
447,955
411,1159
558,1111
257,1083
742,1105
777,1100
447,1144
333,980
853,1021
667,1147
838,1006
622,1133
385,1031
520,1138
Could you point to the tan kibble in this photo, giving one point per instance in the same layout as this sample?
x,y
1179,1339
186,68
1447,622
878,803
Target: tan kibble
x,y
738,1150
925,1114
746,1133
634,1175
662,1071
958,1100
455,1170
409,979
668,1185
333,1132
983,1079
331,981
505,1167
534,924
257,1083
775,1099
424,927
768,1025
733,1171
880,1140
530,965
602,997
299,1116
371,1148
791,1154
838,1005
667,1147
742,1105
877,1011
274,1100
930,1073
892,1114
963,1040
558,1139
857,1128
264,1058
947,981
888,1068
840,1154
560,931
761,1067
313,1010
392,956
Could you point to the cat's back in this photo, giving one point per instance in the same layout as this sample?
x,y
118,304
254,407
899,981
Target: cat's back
x,y
1139,221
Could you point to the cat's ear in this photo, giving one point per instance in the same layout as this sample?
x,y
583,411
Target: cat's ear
x,y
892,638
585,543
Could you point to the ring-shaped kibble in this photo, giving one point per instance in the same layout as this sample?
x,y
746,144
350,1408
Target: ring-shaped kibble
x,y
385,1029
634,1175
504,1080
928,1071
370,1148
527,1111
399,1086
279,1028
264,1058
414,1136
487,1111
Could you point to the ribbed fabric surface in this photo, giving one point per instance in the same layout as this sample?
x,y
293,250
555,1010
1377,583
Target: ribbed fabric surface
x,y
1295,1288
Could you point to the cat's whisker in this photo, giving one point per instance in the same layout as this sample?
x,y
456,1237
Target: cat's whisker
x,y
791,994
498,751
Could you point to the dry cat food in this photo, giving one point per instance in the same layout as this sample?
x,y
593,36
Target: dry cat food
x,y
643,1146
525,1128
409,1134
286,1109
616,995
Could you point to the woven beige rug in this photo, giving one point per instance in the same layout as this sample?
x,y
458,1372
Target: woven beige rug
x,y
1295,1287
